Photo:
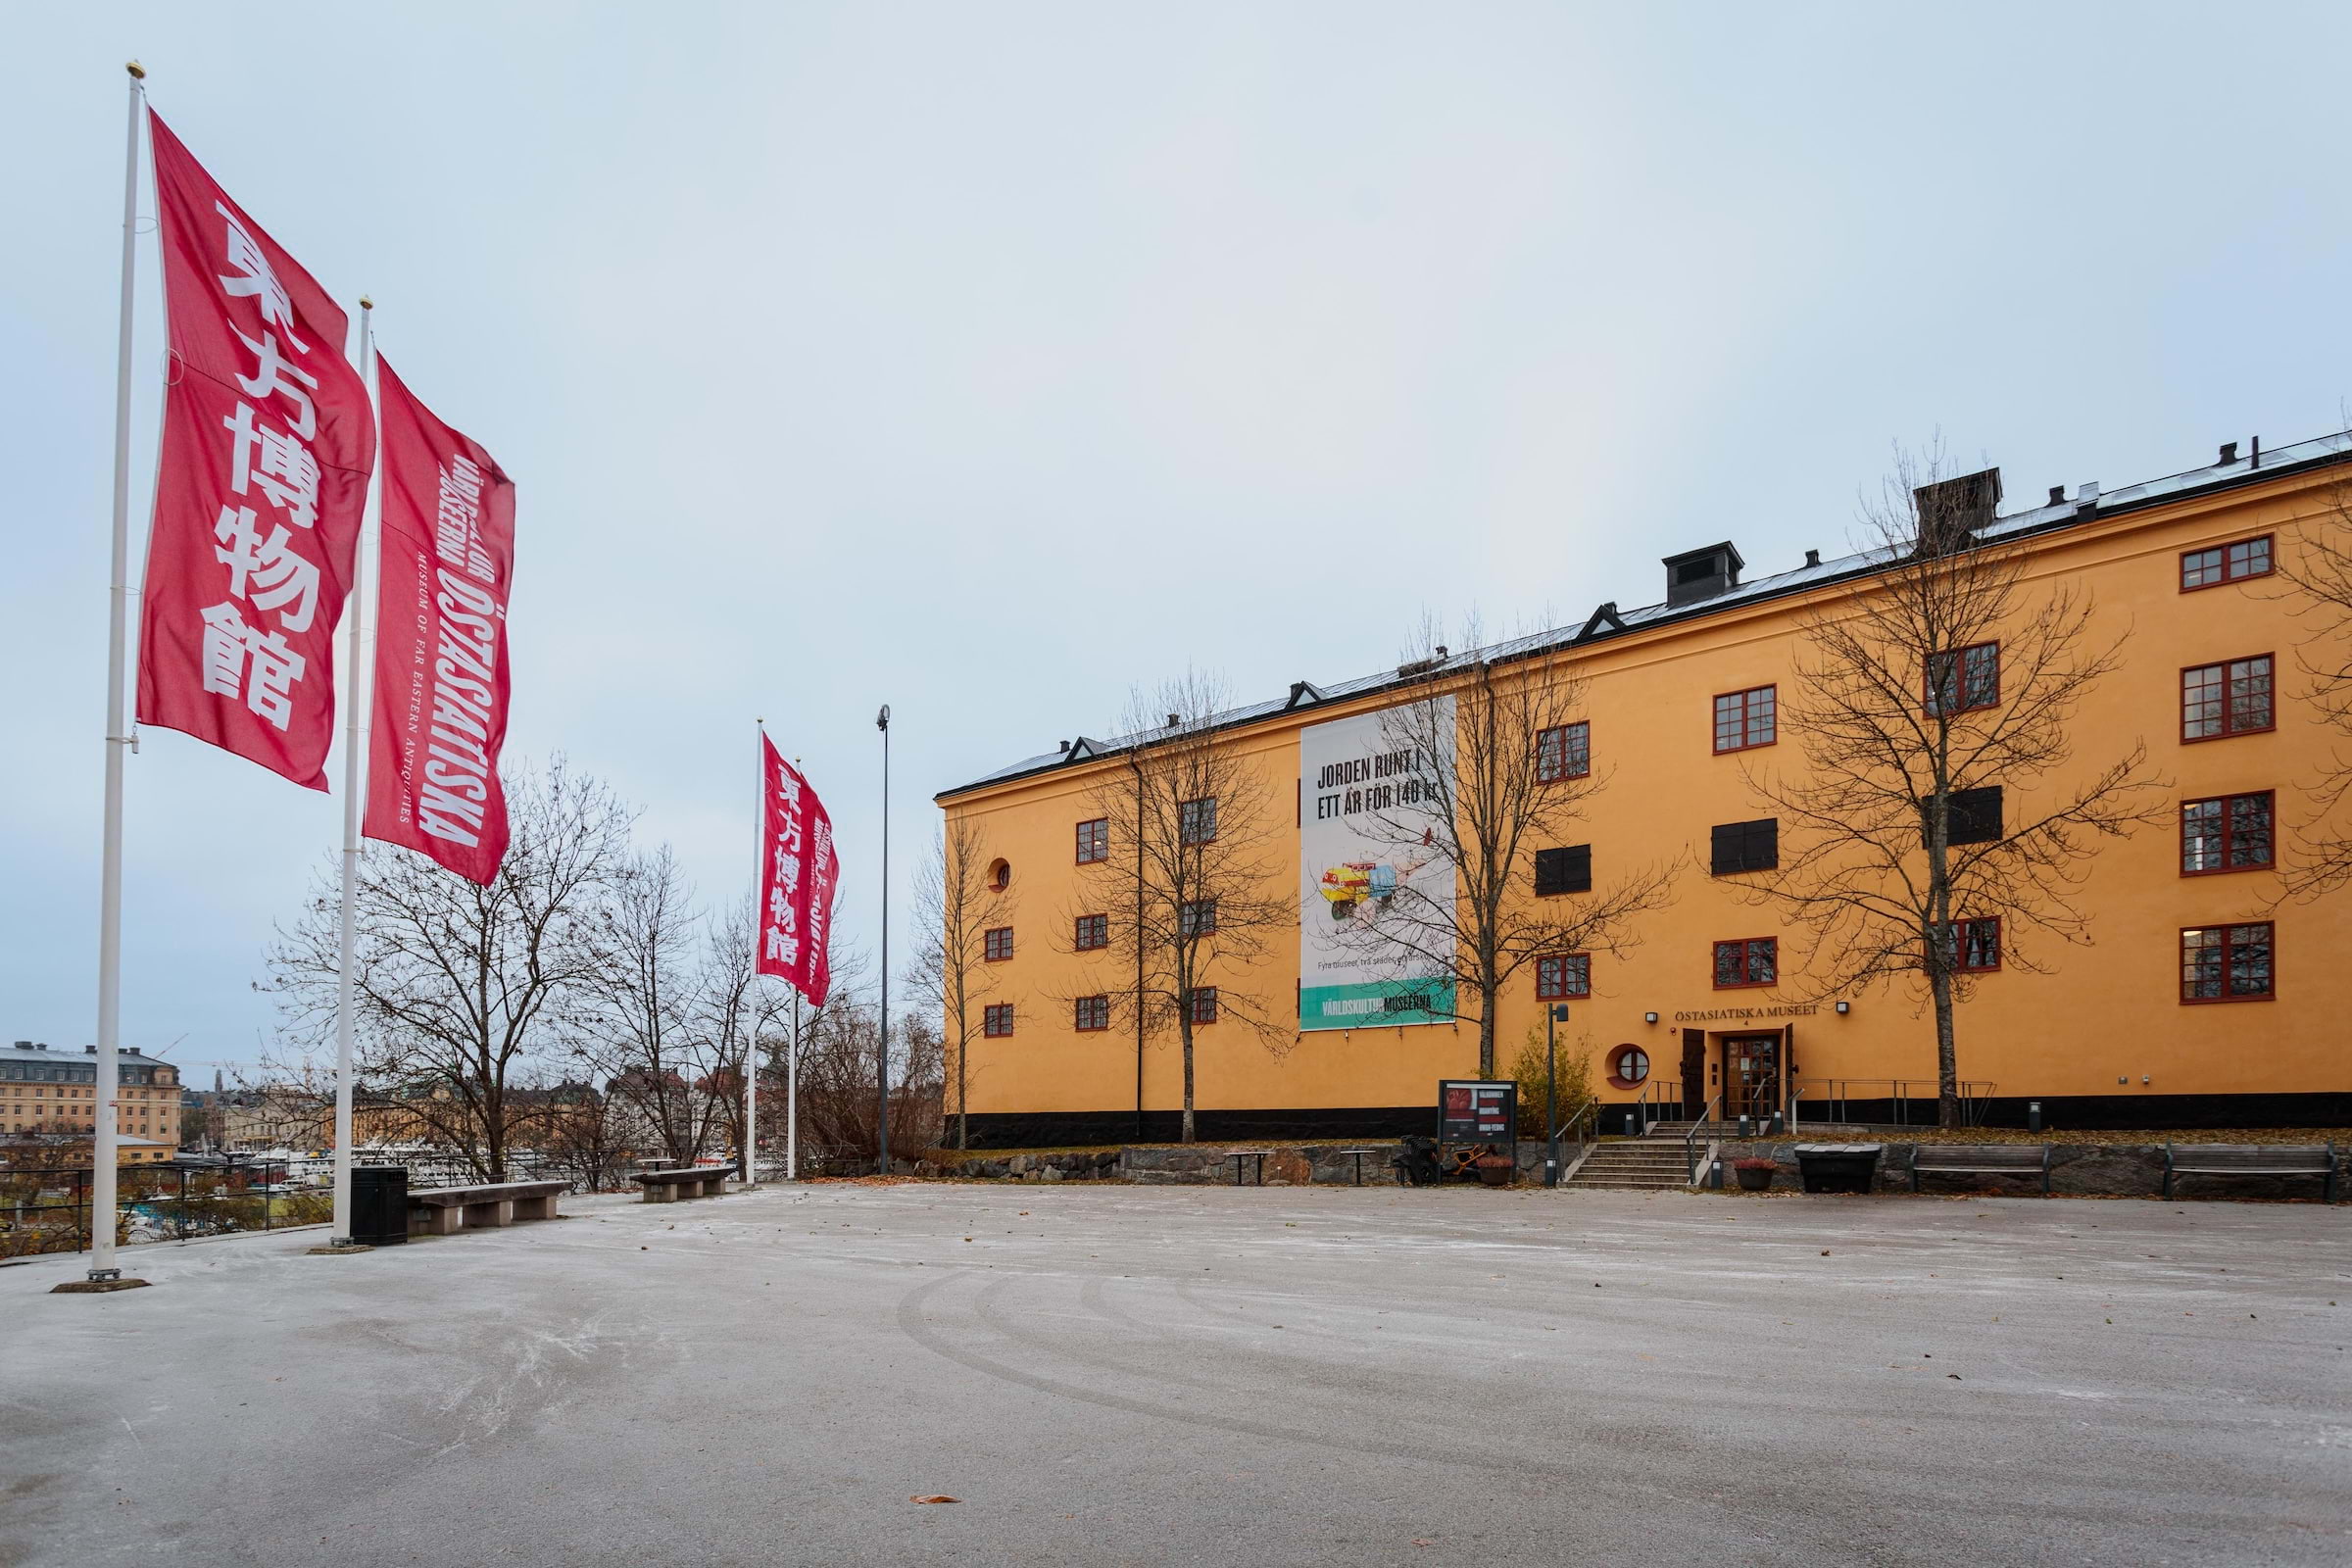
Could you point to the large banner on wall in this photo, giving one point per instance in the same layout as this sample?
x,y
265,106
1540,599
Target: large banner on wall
x,y
1356,787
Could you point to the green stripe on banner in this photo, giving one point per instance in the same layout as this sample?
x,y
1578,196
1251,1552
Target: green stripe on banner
x,y
1379,1005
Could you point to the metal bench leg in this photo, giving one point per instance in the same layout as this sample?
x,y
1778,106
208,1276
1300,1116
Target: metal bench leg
x,y
2168,1181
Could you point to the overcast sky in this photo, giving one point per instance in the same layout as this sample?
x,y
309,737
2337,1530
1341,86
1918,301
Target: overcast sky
x,y
989,360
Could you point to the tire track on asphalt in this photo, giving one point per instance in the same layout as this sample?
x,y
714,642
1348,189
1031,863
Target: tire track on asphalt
x,y
912,1324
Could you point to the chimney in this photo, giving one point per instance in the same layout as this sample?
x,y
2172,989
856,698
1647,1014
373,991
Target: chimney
x,y
1173,721
2228,455
89,1050
1697,575
1065,748
1951,510
1812,558
1441,649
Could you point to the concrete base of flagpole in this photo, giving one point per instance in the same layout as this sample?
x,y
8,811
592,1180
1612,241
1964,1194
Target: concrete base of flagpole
x,y
95,1287
340,1250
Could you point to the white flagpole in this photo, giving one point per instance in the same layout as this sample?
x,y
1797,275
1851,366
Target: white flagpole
x,y
105,1144
751,1044
354,708
792,1099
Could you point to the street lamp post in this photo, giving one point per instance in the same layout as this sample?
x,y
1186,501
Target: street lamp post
x,y
1554,1016
882,1052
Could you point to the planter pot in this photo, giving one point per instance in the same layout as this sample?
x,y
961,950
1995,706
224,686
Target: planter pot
x,y
1838,1167
1494,1170
1753,1181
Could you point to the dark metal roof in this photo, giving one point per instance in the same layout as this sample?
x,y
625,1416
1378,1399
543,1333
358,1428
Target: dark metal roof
x,y
1608,621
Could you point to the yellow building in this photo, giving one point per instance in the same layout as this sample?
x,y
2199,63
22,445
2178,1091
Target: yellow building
x,y
1710,1003
52,1092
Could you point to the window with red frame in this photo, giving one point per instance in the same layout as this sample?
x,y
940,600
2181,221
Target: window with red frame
x,y
2228,699
1563,752
1093,1013
1749,961
1965,679
2226,833
1094,931
996,944
2231,562
1560,976
1974,946
2227,963
1747,719
1197,918
996,1021
1094,841
1204,1003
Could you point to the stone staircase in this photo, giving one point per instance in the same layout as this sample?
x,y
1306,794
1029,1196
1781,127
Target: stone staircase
x,y
1653,1164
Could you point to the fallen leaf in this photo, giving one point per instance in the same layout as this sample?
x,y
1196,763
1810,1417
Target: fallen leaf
x,y
937,1496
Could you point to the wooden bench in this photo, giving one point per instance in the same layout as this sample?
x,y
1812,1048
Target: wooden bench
x,y
2251,1159
1980,1160
686,1181
444,1210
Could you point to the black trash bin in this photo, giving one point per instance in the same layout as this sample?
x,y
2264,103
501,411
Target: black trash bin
x,y
380,1205
1838,1167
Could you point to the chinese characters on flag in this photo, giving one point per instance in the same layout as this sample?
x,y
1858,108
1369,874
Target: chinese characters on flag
x,y
798,872
268,444
448,556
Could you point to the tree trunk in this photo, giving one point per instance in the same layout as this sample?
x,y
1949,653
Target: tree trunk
x,y
1947,1057
1184,1029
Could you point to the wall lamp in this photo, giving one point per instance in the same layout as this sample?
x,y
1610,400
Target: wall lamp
x,y
1844,1007
1649,1017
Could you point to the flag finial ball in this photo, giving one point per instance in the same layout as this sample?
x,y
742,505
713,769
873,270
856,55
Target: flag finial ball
x,y
367,303
136,70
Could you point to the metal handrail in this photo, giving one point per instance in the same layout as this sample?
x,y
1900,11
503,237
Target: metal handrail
x,y
1691,1139
1590,1114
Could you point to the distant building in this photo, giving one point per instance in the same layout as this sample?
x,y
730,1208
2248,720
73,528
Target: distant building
x,y
54,1094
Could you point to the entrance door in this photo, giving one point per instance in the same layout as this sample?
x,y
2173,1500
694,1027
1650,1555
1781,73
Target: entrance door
x,y
1751,1074
1694,1073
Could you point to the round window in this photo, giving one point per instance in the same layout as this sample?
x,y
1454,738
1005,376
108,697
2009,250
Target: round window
x,y
1000,875
1628,1067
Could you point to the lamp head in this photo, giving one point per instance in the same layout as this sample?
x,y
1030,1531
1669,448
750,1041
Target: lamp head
x,y
882,720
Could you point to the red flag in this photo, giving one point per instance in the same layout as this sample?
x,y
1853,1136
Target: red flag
x,y
267,443
448,559
798,872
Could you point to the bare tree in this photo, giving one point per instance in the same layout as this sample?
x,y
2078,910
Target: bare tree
x,y
461,986
731,1009
2317,564
958,906
1931,707
1495,768
1193,831
640,1027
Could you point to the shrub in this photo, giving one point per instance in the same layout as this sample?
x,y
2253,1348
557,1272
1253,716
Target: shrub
x,y
1575,1086
1755,1164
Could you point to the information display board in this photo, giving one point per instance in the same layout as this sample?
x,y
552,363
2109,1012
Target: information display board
x,y
1477,1110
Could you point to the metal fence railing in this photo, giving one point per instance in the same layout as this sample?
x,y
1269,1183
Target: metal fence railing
x,y
47,1209
1888,1102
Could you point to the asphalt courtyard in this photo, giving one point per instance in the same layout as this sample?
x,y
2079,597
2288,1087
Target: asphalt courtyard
x,y
1110,1375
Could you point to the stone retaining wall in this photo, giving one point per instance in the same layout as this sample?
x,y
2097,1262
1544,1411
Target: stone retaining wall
x,y
2082,1170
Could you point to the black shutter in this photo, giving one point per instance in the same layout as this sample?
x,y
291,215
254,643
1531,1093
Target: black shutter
x,y
1745,846
1564,870
1975,816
